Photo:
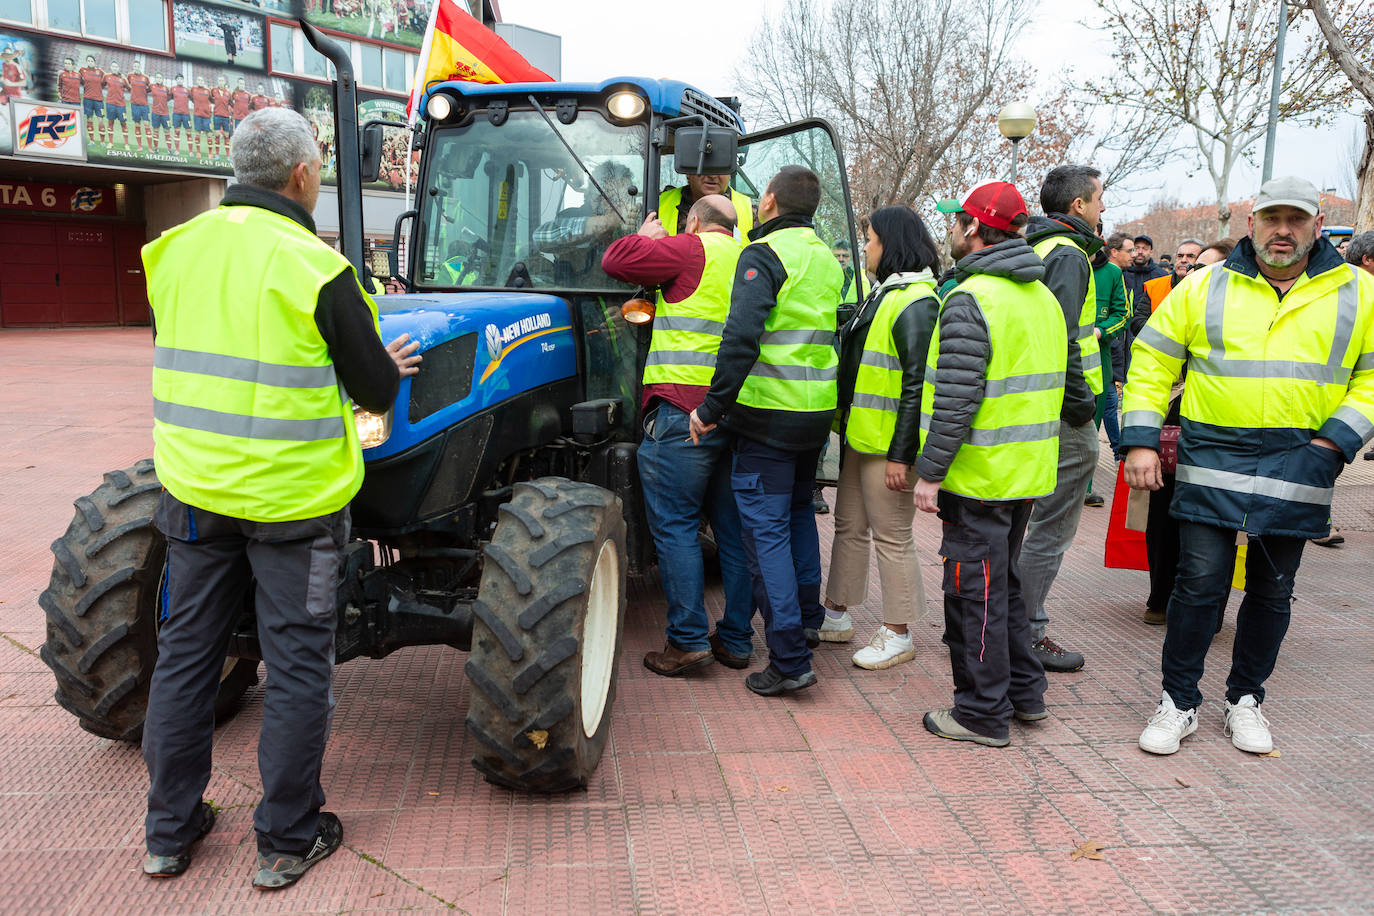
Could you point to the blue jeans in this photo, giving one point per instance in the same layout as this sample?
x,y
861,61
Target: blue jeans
x,y
681,480
1206,556
773,491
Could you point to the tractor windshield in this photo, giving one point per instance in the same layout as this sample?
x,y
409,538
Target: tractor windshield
x,y
506,203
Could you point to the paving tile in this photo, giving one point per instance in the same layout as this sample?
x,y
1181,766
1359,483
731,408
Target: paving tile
x,y
557,835
539,888
478,891
35,887
1052,882
705,837
785,828
869,773
901,826
947,884
763,775
1012,823
1183,879
449,837
675,889
670,778
733,732
801,886
842,730
641,733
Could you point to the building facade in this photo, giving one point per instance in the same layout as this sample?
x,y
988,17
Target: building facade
x,y
115,122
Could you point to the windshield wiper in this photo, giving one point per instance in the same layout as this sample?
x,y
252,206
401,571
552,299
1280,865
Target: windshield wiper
x,y
576,158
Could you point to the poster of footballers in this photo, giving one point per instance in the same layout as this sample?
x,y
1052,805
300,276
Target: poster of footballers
x,y
218,34
18,79
391,174
401,21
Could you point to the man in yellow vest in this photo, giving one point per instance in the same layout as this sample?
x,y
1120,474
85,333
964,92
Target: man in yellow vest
x,y
990,406
255,445
693,272
774,390
1278,342
674,204
1065,238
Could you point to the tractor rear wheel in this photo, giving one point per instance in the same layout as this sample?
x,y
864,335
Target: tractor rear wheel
x,y
102,605
546,636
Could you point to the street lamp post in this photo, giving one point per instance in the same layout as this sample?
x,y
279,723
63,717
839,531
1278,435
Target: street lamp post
x,y
1016,121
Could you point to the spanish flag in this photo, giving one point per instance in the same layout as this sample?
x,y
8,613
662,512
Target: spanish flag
x,y
458,47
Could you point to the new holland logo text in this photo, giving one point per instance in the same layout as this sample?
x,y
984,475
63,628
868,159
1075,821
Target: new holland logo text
x,y
46,127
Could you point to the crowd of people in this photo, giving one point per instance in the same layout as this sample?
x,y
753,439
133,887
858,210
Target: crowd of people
x,y
978,395
972,395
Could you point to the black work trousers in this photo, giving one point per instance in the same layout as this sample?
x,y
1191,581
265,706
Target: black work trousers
x,y
986,627
211,562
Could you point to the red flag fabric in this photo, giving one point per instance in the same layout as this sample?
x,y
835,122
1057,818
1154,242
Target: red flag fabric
x,y
458,47
1125,548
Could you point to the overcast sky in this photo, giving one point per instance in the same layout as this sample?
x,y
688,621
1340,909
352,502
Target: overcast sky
x,y
702,41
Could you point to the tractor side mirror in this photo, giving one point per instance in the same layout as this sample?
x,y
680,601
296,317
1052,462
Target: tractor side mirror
x,y
370,158
705,150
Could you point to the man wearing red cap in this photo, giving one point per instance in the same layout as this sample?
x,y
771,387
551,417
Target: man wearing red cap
x,y
990,430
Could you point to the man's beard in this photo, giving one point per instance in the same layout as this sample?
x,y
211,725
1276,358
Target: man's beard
x,y
1299,252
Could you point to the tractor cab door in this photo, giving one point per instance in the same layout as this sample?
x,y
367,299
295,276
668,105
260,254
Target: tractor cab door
x,y
814,144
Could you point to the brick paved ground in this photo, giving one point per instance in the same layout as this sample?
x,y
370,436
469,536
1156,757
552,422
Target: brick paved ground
x,y
710,799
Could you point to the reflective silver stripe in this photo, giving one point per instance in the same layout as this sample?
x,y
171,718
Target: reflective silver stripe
x,y
1092,361
1270,368
1150,418
786,337
880,361
1153,337
793,373
1365,362
243,369
1085,331
693,325
1020,384
1357,421
680,358
1260,486
1029,432
246,427
1347,307
1216,311
876,402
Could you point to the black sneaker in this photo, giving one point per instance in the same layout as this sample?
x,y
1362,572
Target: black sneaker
x,y
770,682
818,502
1094,501
812,637
1055,658
280,870
171,866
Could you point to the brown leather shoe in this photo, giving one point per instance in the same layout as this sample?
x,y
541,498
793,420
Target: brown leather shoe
x,y
672,661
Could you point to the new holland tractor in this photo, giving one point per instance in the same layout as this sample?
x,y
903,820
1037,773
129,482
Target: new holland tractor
x,y
500,512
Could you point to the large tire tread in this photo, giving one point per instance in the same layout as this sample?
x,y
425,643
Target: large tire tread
x,y
525,666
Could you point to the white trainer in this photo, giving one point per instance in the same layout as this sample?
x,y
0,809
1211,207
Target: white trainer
x,y
886,649
837,629
1167,727
1246,726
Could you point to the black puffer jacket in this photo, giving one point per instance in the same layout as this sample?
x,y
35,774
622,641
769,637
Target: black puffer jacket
x,y
962,364
1066,274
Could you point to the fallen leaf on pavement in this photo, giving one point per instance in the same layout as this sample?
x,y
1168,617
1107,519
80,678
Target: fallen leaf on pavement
x,y
432,793
1088,850
1182,783
1273,753
782,788
538,737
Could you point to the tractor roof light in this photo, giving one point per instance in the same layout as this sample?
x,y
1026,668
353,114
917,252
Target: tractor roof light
x,y
439,107
625,106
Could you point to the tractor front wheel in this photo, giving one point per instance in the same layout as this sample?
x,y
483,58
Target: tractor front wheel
x,y
546,636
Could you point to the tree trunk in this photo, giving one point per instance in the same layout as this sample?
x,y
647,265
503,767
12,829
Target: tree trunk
x,y
1364,179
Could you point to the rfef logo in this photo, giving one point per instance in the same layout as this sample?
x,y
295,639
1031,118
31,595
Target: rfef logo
x,y
47,128
87,199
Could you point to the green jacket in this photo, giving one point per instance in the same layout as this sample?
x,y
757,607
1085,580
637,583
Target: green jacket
x,y
1113,311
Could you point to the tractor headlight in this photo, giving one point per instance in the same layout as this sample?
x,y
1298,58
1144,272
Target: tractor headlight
x,y
373,428
625,106
439,107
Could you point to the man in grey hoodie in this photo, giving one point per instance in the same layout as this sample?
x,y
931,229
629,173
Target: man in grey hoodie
x,y
1065,239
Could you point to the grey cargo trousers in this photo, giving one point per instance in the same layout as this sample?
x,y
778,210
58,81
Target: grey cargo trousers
x,y
211,560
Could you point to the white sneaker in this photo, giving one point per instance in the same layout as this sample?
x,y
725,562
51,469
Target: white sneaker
x,y
1167,727
885,650
837,629
1246,726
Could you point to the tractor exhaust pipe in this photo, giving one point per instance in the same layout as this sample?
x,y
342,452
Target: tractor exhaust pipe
x,y
350,186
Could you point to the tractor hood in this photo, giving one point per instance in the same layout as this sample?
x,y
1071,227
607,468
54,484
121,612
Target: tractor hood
x,y
479,349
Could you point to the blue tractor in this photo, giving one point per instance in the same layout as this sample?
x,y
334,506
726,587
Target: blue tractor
x,y
500,513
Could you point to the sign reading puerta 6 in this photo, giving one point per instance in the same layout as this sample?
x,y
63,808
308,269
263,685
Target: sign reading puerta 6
x,y
47,130
49,197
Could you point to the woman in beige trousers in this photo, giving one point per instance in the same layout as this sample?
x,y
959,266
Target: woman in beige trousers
x,y
882,364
